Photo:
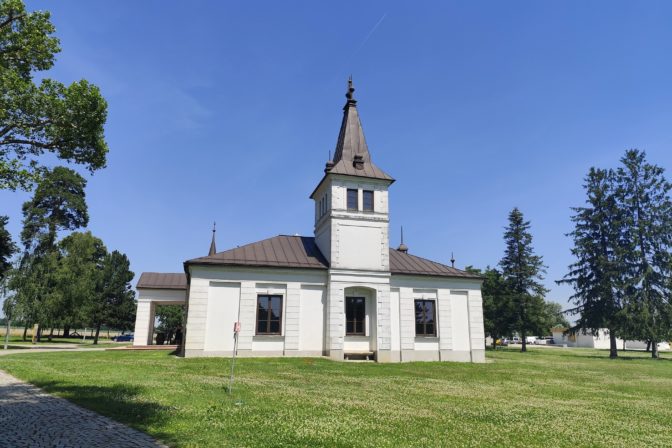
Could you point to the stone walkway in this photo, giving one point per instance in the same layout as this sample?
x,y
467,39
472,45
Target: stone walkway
x,y
30,417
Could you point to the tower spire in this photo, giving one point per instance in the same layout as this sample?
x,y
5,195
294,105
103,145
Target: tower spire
x,y
452,259
402,247
213,246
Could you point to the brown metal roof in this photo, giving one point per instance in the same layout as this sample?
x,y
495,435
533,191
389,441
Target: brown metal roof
x,y
352,157
280,251
351,145
404,263
156,280
302,252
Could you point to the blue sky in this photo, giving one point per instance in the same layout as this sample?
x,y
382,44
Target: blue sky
x,y
227,111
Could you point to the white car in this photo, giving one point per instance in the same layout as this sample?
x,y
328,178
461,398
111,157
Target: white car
x,y
531,339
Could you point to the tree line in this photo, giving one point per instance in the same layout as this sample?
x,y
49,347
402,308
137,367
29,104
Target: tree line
x,y
56,279
622,273
71,282
622,241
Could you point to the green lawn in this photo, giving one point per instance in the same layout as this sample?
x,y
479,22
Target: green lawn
x,y
546,397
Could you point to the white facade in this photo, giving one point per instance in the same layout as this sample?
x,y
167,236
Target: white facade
x,y
353,304
599,340
589,340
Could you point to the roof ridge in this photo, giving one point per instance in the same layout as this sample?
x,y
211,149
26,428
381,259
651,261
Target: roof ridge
x,y
431,261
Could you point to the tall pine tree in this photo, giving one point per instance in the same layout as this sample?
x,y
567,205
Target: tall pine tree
x,y
596,274
643,196
523,272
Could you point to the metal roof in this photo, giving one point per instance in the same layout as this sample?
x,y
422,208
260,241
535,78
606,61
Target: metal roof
x,y
280,251
405,263
157,280
302,252
352,157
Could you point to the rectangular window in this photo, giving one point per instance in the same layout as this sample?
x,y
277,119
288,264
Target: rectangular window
x,y
368,200
425,318
353,199
269,314
355,315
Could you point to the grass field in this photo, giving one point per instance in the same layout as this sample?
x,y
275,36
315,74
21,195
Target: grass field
x,y
18,342
546,397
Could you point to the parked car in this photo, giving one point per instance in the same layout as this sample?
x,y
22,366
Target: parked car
x,y
515,340
531,339
503,342
123,338
547,340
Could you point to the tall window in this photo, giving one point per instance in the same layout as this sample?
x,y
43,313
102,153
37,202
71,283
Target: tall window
x,y
425,318
353,199
355,314
368,200
269,314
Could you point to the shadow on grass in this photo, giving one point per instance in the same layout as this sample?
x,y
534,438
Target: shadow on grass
x,y
627,358
116,401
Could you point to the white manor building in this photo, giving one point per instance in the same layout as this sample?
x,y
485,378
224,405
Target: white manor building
x,y
342,293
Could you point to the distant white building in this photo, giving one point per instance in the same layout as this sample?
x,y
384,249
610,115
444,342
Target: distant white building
x,y
340,293
598,340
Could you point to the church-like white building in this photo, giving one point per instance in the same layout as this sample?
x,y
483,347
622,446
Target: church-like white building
x,y
342,293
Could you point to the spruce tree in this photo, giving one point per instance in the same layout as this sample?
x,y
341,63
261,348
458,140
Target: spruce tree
x,y
42,119
595,275
523,272
646,261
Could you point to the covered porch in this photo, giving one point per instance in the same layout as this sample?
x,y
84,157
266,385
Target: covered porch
x,y
156,289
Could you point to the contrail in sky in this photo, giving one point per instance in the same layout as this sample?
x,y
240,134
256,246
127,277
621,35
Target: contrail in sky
x,y
368,36
366,39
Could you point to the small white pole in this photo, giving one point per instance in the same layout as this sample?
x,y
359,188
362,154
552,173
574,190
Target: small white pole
x,y
236,330
84,340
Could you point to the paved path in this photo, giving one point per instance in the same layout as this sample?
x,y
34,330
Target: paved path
x,y
30,417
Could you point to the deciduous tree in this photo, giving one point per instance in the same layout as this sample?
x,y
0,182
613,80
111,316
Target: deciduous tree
x,y
46,117
79,276
113,303
7,248
498,310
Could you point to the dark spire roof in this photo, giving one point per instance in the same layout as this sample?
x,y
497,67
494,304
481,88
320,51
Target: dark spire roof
x,y
213,246
352,154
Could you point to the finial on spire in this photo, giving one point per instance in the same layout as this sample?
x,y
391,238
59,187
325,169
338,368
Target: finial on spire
x,y
330,163
452,260
351,90
402,247
213,246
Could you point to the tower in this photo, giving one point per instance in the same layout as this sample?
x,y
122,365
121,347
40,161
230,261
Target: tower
x,y
351,201
352,232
